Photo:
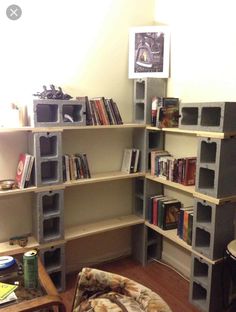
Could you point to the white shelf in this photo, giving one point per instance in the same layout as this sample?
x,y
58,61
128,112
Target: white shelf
x,y
60,129
7,249
79,231
96,178
208,134
191,190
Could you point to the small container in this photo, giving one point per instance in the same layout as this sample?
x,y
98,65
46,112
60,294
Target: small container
x,y
30,263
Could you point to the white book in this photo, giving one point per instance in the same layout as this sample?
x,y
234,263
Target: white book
x,y
126,162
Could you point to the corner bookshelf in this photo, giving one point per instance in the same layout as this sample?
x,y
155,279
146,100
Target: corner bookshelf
x,y
105,141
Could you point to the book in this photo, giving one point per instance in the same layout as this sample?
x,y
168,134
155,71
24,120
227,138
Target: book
x,y
22,169
29,171
167,112
126,162
171,210
180,226
190,171
11,297
154,111
6,289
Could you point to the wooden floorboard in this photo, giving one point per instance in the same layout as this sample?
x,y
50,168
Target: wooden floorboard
x,y
167,283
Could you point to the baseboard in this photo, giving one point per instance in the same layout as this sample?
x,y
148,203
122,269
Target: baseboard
x,y
181,267
75,267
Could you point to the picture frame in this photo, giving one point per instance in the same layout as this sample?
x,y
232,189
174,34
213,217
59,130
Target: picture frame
x,y
149,49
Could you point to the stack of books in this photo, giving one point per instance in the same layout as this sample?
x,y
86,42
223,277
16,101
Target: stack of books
x,y
165,112
75,167
24,170
163,211
101,111
130,160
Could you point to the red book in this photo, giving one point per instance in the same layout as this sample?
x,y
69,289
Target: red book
x,y
190,171
22,169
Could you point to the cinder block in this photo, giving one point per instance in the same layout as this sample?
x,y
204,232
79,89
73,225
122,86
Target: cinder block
x,y
53,259
213,228
51,113
216,167
208,285
208,116
48,216
144,90
46,147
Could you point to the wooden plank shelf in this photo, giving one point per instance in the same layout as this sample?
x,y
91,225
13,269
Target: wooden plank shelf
x,y
79,231
172,235
191,190
60,129
9,250
96,178
208,134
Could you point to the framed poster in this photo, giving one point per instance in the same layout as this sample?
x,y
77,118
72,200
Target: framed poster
x,y
149,48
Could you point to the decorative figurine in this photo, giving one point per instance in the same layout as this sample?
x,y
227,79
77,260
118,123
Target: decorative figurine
x,y
52,93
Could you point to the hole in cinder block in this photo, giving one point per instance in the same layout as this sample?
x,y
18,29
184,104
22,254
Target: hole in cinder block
x,y
74,111
202,238
56,277
48,146
210,116
189,116
49,171
140,89
51,228
139,111
52,258
200,269
204,213
206,178
199,293
47,113
208,152
50,203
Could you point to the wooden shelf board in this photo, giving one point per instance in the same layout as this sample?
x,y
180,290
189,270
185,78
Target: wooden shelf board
x,y
187,189
103,177
7,249
60,129
18,191
191,190
172,235
79,231
208,134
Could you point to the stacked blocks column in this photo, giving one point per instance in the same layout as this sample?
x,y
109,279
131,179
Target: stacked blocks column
x,y
48,216
216,167
208,116
53,259
213,228
144,90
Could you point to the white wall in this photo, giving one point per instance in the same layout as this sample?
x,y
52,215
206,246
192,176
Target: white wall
x,y
79,45
203,48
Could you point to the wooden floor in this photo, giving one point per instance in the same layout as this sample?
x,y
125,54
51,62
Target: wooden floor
x,y
161,279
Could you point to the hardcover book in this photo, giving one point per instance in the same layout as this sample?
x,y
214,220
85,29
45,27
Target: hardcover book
x,y
171,210
22,169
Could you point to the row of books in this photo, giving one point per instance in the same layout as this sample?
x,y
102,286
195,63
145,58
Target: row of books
x,y
165,112
163,211
101,111
168,213
130,160
75,167
185,224
24,170
179,170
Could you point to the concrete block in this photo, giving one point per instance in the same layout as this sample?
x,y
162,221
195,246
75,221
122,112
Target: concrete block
x,y
208,116
48,216
144,90
213,228
216,167
207,286
55,113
